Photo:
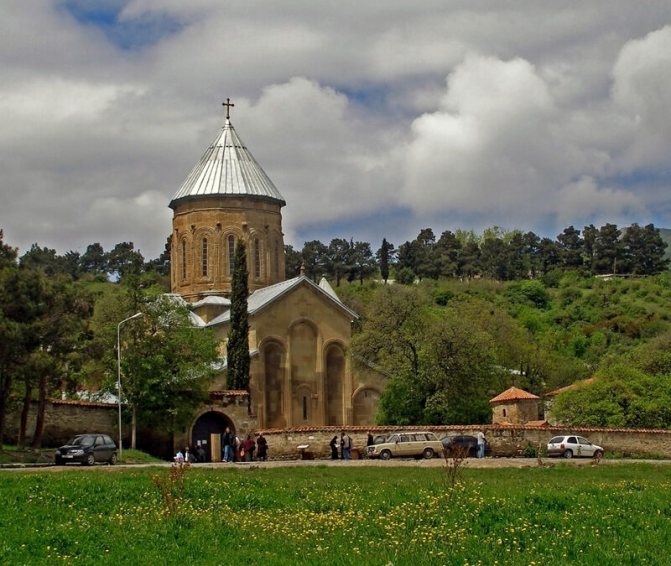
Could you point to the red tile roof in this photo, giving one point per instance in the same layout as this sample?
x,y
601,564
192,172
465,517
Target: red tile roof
x,y
80,403
229,393
513,394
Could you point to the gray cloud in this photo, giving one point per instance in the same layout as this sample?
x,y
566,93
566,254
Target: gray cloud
x,y
519,114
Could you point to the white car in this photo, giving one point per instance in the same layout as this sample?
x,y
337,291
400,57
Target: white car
x,y
571,445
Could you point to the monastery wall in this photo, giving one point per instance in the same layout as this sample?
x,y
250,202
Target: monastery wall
x,y
503,440
64,419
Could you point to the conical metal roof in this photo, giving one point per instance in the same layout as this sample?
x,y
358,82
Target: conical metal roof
x,y
228,168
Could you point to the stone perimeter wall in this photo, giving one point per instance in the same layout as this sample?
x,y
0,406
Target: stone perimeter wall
x,y
63,419
503,440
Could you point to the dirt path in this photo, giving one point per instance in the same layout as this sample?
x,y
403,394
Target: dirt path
x,y
471,463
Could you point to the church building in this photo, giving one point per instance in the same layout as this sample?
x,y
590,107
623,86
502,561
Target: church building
x,y
301,373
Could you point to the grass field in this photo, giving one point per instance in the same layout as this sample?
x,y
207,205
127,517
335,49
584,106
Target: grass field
x,y
380,515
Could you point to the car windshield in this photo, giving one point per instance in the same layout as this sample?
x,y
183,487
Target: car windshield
x,y
82,441
556,440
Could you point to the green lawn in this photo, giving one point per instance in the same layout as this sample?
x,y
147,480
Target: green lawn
x,y
615,514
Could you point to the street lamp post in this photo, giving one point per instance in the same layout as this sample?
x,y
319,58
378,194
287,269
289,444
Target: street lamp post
x,y
118,378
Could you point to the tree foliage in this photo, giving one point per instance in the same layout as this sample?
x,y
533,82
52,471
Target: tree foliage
x,y
442,366
620,396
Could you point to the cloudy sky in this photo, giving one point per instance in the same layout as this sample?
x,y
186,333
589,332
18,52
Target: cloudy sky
x,y
374,119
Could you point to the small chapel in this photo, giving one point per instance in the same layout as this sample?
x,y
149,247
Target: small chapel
x,y
301,372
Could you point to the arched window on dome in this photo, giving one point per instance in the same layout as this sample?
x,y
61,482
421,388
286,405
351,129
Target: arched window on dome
x,y
204,257
183,259
276,261
231,254
257,259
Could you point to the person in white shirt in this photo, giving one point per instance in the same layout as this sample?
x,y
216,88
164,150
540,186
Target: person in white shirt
x,y
481,444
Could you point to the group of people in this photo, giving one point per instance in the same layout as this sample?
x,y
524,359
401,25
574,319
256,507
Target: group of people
x,y
341,449
233,450
248,450
189,456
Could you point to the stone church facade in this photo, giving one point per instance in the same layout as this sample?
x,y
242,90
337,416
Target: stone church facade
x,y
301,373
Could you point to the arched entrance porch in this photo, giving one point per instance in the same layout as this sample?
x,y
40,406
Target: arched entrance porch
x,y
206,432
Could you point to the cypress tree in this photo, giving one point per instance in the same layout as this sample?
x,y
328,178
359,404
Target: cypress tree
x,y
384,260
238,335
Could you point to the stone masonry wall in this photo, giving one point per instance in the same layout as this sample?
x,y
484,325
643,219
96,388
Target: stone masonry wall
x,y
64,419
503,440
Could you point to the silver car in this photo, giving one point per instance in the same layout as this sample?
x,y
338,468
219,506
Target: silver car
x,y
572,445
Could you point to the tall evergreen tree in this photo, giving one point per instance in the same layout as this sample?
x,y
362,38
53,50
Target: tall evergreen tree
x,y
383,255
238,335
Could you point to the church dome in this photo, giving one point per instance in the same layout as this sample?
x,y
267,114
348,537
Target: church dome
x,y
226,199
228,168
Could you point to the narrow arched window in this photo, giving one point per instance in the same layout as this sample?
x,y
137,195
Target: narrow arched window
x,y
231,254
204,257
276,261
257,259
183,259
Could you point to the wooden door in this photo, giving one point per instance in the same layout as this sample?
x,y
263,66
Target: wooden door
x,y
215,447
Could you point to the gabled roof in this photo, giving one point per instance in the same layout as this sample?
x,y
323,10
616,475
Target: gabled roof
x,y
228,168
262,298
513,394
212,301
559,390
325,286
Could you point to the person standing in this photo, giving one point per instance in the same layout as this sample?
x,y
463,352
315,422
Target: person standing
x,y
227,441
237,447
334,447
262,443
248,447
481,444
346,444
369,439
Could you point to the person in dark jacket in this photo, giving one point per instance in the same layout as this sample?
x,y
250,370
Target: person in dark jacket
x,y
227,441
262,444
334,448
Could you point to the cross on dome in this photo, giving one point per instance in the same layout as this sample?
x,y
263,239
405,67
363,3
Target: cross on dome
x,y
228,105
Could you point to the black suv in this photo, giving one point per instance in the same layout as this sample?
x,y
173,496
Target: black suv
x,y
87,449
469,444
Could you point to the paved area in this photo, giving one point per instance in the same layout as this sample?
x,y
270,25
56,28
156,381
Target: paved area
x,y
471,463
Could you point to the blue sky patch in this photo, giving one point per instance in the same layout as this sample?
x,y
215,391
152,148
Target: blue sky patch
x,y
127,34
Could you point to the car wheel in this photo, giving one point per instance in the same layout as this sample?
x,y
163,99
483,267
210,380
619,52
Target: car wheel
x,y
385,455
568,454
113,459
428,453
90,460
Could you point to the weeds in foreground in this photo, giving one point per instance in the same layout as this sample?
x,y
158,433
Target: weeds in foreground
x,y
454,458
171,486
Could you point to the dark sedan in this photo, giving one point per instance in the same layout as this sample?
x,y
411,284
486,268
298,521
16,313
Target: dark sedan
x,y
463,443
87,449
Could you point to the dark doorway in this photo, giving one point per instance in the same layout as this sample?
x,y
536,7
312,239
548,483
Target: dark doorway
x,y
205,426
